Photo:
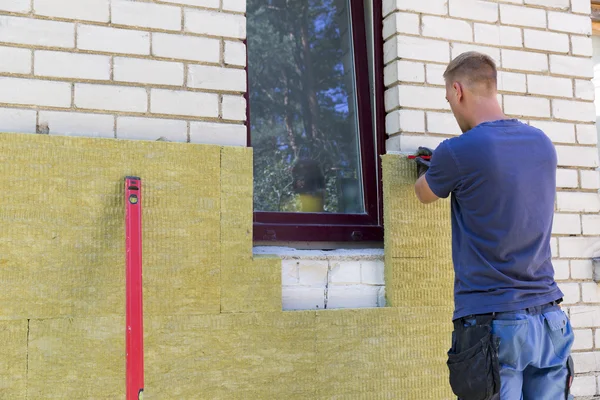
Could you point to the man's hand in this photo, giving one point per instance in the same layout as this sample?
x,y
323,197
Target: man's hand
x,y
423,164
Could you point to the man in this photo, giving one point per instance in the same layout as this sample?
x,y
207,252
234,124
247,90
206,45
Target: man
x,y
511,339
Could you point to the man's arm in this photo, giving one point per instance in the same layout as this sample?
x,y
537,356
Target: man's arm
x,y
423,191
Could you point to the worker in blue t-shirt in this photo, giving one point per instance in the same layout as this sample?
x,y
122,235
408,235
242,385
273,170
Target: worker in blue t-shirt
x,y
511,339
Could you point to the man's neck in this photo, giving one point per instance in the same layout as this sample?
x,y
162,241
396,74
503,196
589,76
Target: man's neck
x,y
487,110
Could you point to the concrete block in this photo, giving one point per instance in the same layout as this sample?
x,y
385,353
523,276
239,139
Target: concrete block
x,y
372,272
180,102
112,40
78,124
289,272
303,298
345,272
354,296
111,97
185,47
313,272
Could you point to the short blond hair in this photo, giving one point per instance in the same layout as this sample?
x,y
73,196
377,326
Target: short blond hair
x,y
475,70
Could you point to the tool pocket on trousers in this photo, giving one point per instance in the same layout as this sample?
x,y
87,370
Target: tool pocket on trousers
x,y
560,332
474,373
512,334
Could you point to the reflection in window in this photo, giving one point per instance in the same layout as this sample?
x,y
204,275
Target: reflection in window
x,y
303,112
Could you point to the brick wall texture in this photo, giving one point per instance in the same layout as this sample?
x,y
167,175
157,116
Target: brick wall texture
x,y
124,69
543,49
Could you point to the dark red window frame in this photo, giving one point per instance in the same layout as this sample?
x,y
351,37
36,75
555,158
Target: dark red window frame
x,y
367,227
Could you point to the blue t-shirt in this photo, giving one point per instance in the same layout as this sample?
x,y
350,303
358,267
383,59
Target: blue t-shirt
x,y
502,177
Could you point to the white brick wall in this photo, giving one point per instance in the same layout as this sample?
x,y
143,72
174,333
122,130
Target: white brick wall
x,y
125,69
543,52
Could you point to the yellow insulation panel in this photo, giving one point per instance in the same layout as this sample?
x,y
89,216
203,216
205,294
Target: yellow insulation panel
x,y
79,358
13,359
213,323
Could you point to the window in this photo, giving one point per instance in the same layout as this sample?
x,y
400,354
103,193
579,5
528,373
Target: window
x,y
315,96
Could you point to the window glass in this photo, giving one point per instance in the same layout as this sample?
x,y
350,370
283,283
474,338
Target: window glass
x,y
303,112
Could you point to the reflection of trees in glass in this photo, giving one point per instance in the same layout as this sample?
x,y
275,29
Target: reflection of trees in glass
x,y
301,96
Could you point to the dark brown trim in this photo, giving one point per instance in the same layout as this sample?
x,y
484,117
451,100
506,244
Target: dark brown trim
x,y
367,227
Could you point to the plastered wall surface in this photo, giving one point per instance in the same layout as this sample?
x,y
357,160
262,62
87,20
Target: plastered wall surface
x,y
214,325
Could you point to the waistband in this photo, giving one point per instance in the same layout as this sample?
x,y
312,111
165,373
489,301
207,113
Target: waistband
x,y
536,310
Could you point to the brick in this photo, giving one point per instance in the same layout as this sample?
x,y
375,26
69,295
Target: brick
x,y
458,48
199,3
443,123
584,89
583,385
512,82
355,296
578,202
151,129
110,97
145,15
581,6
498,35
289,272
345,272
17,6
590,179
571,66
447,28
591,224
405,121
582,269
560,4
71,65
15,60
416,48
572,292
572,23
549,41
438,7
579,247
561,269
558,132
234,5
582,46
234,108
235,53
177,102
410,143
526,106
35,92
584,339
400,22
148,71
88,10
313,272
302,298
216,78
566,224
403,71
566,178
574,110
574,156
550,86
586,362
185,47
36,32
17,120
584,316
218,133
587,134
112,40
215,23
78,124
417,97
435,74
474,9
524,60
524,16
372,272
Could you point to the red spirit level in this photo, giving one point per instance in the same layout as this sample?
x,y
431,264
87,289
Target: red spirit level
x,y
412,157
134,314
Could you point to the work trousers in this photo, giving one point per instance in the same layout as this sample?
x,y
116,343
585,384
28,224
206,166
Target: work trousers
x,y
533,348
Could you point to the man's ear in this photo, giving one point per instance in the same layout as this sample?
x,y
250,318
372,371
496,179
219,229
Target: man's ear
x,y
458,90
